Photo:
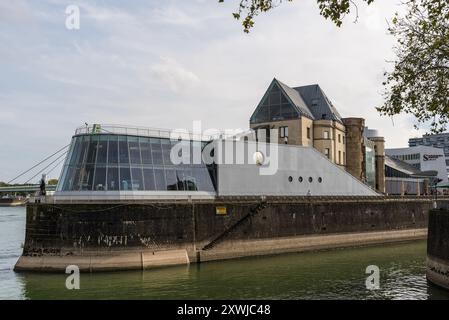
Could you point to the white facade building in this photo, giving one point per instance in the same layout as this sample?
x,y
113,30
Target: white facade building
x,y
423,158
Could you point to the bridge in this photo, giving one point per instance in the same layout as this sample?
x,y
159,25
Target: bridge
x,y
26,188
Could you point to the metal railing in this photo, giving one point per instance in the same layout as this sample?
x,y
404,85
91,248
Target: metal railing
x,y
148,132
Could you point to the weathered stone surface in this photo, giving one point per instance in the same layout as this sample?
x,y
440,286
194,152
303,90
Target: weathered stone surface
x,y
107,229
438,248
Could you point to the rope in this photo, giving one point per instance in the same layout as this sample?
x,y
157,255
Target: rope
x,y
9,182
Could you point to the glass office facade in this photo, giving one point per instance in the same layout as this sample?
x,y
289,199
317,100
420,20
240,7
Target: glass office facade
x,y
106,162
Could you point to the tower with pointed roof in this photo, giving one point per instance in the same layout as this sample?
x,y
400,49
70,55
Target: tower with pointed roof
x,y
303,116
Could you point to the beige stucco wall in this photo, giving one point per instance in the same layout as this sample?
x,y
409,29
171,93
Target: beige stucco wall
x,y
337,148
306,123
297,135
297,130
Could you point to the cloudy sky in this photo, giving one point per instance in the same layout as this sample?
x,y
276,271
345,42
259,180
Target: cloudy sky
x,y
167,63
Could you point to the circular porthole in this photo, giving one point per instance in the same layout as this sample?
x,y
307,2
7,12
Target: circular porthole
x,y
320,179
290,179
300,179
310,179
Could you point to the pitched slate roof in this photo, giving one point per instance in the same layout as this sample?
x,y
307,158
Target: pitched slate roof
x,y
309,101
319,105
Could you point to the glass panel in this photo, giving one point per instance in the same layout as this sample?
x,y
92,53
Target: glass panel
x,y
148,176
275,98
263,114
83,152
123,150
125,179
166,148
87,177
287,111
137,179
284,99
145,150
275,112
102,155
172,181
68,180
160,179
134,150
113,180
92,153
156,151
113,151
76,150
202,179
77,178
100,179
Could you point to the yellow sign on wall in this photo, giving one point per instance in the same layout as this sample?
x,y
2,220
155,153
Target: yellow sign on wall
x,y
221,210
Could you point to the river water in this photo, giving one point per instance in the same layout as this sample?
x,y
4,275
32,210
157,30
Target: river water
x,y
335,274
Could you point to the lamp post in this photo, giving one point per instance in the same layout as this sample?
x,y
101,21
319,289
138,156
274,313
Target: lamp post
x,y
437,181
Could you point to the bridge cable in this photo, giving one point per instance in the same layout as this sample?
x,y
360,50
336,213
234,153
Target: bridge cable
x,y
9,182
51,170
62,155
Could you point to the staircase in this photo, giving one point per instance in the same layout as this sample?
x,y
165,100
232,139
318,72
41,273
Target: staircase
x,y
221,236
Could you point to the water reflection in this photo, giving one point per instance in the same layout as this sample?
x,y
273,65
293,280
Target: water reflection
x,y
338,274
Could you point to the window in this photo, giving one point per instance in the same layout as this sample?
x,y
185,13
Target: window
x,y
125,178
327,153
326,134
300,179
123,151
344,139
275,106
339,138
113,181
339,157
117,162
102,151
310,179
320,180
100,179
137,180
308,133
283,132
290,179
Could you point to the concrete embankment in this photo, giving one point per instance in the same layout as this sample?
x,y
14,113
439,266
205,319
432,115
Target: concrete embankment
x,y
438,248
123,236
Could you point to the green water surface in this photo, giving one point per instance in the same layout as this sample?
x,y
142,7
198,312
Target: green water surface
x,y
335,274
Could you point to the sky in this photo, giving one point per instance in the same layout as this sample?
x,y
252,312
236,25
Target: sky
x,y
168,63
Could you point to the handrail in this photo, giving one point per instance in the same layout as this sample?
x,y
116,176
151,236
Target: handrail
x,y
147,132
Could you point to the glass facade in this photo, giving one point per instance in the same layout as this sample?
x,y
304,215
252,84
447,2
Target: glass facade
x,y
106,162
370,164
274,107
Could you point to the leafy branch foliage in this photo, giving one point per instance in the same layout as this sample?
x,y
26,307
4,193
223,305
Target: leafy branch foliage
x,y
335,10
419,82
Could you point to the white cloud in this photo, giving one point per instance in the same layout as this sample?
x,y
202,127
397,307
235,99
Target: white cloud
x,y
174,75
